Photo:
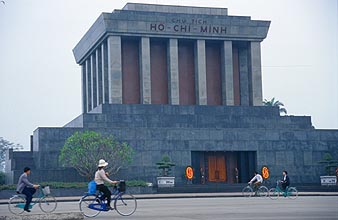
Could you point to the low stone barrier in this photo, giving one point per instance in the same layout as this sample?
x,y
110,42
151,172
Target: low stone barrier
x,y
53,216
6,194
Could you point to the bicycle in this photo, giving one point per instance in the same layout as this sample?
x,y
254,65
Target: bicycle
x,y
124,203
47,202
248,191
290,192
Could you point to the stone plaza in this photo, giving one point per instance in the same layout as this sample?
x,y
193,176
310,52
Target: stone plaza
x,y
186,82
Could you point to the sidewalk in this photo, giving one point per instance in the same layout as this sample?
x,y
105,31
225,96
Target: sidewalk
x,y
186,195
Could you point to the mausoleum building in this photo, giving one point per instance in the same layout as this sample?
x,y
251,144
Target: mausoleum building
x,y
186,82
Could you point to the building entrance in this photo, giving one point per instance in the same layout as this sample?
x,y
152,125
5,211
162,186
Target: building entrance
x,y
223,166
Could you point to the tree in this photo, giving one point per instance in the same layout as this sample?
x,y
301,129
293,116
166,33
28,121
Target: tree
x,y
4,146
276,103
83,150
165,165
329,163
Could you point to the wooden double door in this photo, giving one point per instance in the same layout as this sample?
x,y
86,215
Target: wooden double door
x,y
217,167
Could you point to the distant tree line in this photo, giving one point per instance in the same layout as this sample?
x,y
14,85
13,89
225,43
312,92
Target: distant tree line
x,y
4,146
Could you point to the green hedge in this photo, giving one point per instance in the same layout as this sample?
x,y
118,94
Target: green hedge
x,y
62,185
134,183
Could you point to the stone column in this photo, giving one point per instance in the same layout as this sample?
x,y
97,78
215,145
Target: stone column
x,y
256,73
145,71
94,79
114,69
173,86
227,74
105,79
99,89
200,73
244,76
89,85
84,87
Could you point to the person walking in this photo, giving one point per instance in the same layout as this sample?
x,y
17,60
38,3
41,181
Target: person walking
x,y
27,188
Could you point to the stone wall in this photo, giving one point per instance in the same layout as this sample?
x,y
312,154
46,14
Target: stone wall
x,y
286,142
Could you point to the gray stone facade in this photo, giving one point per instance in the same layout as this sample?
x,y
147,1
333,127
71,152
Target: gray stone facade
x,y
280,142
170,23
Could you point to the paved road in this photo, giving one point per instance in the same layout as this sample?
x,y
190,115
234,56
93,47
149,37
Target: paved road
x,y
318,207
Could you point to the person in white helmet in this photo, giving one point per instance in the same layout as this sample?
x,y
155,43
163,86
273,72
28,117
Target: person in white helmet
x,y
100,178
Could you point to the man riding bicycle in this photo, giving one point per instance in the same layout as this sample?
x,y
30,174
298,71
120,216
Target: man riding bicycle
x,y
27,188
257,180
285,182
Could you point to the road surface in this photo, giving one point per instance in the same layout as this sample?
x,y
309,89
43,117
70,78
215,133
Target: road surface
x,y
305,207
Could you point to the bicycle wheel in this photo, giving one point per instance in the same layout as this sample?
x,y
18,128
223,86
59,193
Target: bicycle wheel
x,y
125,204
292,193
273,193
84,205
16,205
48,204
263,191
247,191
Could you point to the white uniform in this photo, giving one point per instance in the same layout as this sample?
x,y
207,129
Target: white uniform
x,y
258,178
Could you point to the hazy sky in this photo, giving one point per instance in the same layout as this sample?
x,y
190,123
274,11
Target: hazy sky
x,y
40,81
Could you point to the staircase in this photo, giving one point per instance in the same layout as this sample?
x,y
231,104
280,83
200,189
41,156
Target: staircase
x,y
221,187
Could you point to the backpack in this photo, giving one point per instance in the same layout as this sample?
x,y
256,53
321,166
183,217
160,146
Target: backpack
x,y
92,187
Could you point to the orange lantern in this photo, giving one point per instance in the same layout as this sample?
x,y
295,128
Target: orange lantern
x,y
265,172
189,172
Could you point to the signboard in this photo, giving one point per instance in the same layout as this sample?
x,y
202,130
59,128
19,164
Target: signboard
x,y
328,180
265,172
189,172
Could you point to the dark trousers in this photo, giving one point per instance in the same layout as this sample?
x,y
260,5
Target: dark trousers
x,y
29,192
284,185
106,193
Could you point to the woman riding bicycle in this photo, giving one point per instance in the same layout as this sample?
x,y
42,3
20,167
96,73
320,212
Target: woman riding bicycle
x,y
100,177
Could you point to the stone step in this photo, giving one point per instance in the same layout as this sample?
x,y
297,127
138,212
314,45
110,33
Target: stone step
x,y
214,188
207,188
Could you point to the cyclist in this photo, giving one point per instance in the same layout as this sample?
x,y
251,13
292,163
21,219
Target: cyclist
x,y
285,182
27,188
100,177
257,180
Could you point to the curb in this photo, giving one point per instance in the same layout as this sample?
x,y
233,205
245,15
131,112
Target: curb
x,y
193,195
185,195
54,216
